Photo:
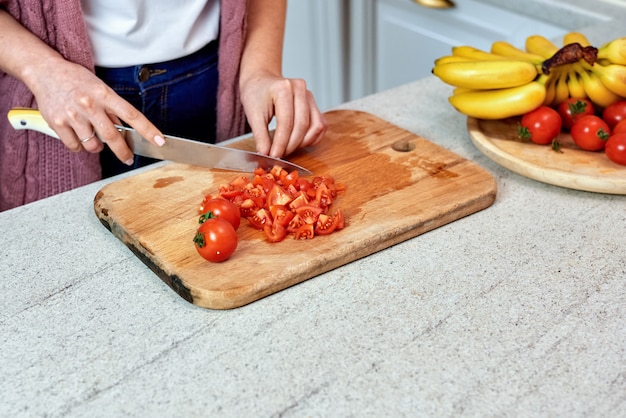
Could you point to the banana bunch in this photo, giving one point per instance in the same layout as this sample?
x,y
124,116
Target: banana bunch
x,y
510,81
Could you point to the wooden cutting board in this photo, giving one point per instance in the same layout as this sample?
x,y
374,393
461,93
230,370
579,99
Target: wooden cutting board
x,y
572,167
391,196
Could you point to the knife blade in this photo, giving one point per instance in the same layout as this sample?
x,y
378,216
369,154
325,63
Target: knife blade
x,y
176,149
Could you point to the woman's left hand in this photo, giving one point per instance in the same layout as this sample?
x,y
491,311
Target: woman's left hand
x,y
299,122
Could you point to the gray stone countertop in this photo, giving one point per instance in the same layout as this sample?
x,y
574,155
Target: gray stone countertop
x,y
517,310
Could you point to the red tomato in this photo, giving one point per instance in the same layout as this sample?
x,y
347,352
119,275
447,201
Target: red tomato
x,y
614,113
572,109
216,240
541,125
590,133
260,219
619,128
220,208
306,231
615,148
275,232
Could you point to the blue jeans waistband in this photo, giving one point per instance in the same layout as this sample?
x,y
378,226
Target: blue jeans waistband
x,y
145,74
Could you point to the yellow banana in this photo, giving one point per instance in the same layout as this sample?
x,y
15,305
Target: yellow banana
x,y
508,50
540,45
467,51
575,86
613,51
561,88
485,75
550,85
613,76
500,103
597,92
451,58
575,37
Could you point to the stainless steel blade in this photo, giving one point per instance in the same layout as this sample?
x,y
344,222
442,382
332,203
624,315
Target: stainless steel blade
x,y
203,154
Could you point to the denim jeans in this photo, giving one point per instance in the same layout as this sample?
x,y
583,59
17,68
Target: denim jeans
x,y
178,96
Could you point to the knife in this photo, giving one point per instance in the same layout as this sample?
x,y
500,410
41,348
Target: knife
x,y
177,149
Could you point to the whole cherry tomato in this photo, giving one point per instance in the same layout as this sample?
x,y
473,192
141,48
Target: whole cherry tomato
x,y
216,240
590,133
220,208
572,109
614,113
541,125
615,148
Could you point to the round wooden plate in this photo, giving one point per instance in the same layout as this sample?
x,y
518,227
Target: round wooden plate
x,y
570,167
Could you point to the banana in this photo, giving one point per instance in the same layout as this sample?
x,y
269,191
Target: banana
x,y
467,51
508,50
613,76
550,86
575,86
451,58
500,103
597,92
613,51
575,37
540,45
561,88
486,75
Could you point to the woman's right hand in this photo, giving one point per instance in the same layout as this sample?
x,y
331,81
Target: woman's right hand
x,y
73,101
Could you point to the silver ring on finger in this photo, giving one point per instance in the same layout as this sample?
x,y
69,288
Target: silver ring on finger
x,y
93,134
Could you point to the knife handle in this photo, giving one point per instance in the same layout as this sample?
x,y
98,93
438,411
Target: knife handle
x,y
24,118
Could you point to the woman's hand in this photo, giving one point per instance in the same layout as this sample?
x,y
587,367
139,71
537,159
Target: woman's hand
x,y
77,105
299,123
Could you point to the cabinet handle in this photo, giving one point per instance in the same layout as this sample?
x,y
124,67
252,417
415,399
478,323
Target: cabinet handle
x,y
436,4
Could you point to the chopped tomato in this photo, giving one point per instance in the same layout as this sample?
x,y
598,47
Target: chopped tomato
x,y
278,196
275,233
279,202
260,219
306,231
281,214
309,213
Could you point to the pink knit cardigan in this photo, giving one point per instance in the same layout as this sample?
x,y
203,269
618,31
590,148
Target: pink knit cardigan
x,y
34,166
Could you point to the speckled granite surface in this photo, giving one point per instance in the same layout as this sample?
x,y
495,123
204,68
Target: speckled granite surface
x,y
517,310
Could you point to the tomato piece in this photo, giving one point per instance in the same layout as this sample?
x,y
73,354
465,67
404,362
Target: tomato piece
x,y
215,240
540,126
291,179
266,182
278,196
614,113
590,133
572,109
341,222
300,200
304,185
615,148
295,223
281,215
221,208
248,208
309,213
275,232
260,219
323,196
325,225
306,231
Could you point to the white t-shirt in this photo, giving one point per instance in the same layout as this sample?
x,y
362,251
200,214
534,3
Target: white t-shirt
x,y
134,32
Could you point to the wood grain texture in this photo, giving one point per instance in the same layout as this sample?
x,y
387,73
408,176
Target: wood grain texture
x,y
391,196
572,167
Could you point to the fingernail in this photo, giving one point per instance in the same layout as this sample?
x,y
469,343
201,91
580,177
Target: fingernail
x,y
129,161
159,140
